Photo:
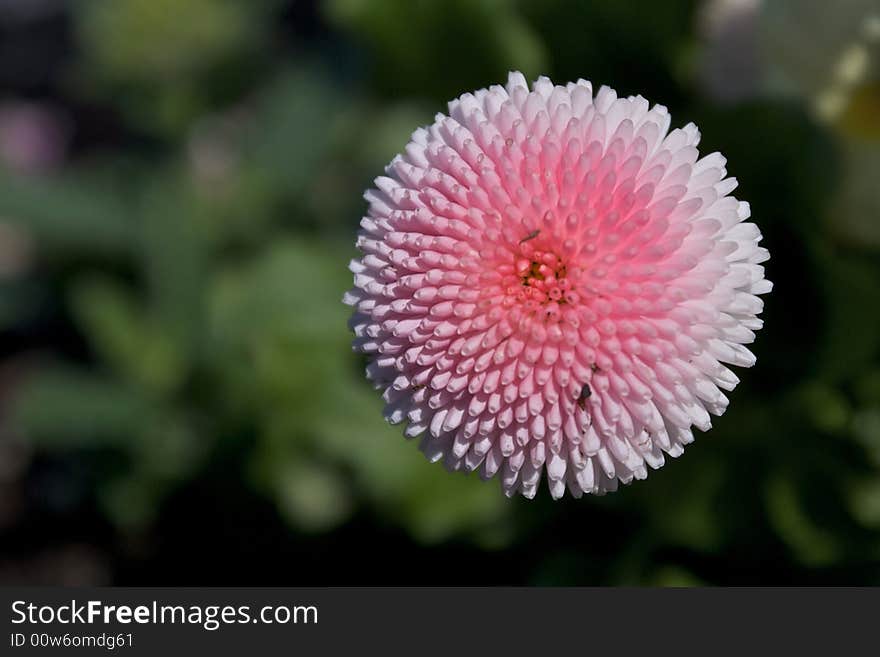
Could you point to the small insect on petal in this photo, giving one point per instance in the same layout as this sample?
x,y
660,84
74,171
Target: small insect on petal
x,y
586,393
530,236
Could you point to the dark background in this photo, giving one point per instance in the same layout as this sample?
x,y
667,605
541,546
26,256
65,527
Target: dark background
x,y
180,185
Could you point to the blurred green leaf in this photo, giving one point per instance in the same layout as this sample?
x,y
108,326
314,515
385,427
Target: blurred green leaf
x,y
864,499
168,447
76,215
852,323
159,59
674,576
125,336
19,302
175,263
811,543
68,409
130,502
292,290
313,497
441,48
682,503
632,46
867,388
291,131
826,407
866,430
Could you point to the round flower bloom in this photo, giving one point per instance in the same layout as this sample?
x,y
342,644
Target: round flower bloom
x,y
551,280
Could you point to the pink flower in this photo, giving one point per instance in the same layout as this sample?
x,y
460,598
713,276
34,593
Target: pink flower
x,y
552,281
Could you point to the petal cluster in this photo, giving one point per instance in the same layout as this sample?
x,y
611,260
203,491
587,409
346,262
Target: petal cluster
x,y
553,282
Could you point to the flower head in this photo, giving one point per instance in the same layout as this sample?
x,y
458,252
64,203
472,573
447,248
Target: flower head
x,y
552,281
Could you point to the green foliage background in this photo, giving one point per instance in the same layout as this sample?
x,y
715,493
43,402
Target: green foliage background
x,y
178,398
